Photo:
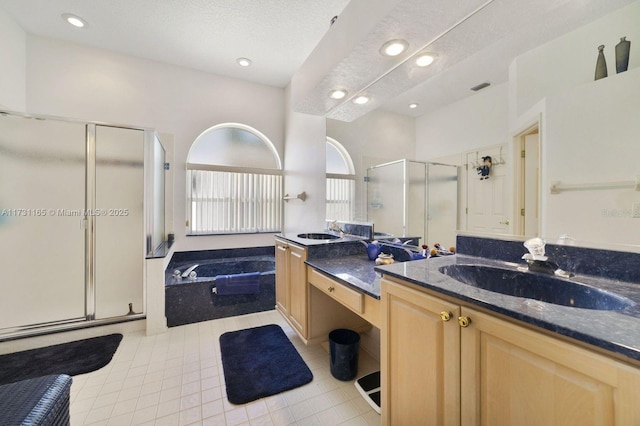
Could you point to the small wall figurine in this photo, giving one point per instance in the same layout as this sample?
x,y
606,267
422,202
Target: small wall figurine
x,y
484,170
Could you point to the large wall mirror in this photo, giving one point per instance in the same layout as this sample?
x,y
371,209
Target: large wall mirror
x,y
564,146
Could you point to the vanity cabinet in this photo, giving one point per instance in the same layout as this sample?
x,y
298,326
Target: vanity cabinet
x,y
419,358
513,375
443,363
291,285
366,307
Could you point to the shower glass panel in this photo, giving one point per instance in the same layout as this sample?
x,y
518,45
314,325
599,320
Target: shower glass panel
x,y
414,199
442,204
119,226
396,198
157,233
385,197
42,202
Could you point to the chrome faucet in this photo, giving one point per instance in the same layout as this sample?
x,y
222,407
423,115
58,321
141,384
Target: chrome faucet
x,y
187,272
538,261
333,226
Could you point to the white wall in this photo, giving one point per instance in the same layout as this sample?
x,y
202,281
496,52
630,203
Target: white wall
x,y
592,136
570,60
304,164
477,121
13,48
70,80
589,130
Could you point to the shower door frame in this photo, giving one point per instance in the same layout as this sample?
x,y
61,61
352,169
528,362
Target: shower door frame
x,y
88,223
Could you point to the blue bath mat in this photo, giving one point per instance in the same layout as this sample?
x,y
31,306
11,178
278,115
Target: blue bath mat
x,y
72,358
259,362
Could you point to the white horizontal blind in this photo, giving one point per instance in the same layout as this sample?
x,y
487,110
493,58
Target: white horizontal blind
x,y
223,202
340,198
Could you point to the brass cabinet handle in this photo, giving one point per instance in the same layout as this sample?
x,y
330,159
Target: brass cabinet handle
x,y
330,289
464,321
445,315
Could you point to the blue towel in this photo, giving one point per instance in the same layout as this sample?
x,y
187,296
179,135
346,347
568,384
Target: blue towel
x,y
247,283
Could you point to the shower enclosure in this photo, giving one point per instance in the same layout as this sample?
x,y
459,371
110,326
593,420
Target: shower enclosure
x,y
77,217
414,199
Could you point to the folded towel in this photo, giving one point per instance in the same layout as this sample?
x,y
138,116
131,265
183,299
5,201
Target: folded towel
x,y
247,283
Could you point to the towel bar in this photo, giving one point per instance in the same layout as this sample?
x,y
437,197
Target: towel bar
x,y
302,196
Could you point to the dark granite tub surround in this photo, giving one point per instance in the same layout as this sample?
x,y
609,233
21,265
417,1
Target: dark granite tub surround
x,y
206,270
189,300
182,257
610,326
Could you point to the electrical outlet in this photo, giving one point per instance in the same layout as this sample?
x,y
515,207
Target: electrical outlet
x,y
635,210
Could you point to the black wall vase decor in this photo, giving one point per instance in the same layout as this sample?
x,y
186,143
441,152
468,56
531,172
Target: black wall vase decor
x,y
622,55
601,64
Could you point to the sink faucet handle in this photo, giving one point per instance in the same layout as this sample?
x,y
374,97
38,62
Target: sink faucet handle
x,y
535,247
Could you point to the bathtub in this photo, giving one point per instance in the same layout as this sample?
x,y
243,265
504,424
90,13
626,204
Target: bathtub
x,y
189,300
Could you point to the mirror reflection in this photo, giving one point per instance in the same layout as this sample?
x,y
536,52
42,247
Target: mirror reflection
x,y
563,161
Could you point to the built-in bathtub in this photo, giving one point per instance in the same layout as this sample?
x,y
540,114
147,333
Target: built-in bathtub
x,y
189,300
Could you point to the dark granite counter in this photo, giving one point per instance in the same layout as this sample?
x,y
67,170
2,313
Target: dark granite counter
x,y
615,331
344,259
355,271
293,237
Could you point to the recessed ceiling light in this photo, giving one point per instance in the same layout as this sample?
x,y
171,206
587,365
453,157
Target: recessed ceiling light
x,y
425,59
337,94
394,47
74,20
413,106
243,62
361,100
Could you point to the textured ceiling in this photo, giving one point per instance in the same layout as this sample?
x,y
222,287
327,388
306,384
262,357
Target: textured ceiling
x,y
474,40
516,31
207,35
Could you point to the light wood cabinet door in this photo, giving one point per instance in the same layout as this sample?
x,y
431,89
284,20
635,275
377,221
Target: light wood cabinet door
x,y
511,375
282,277
420,358
291,285
298,293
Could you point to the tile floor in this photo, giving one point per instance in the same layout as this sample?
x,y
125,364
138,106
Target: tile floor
x,y
176,378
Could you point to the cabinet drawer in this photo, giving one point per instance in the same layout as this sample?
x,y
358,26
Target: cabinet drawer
x,y
343,294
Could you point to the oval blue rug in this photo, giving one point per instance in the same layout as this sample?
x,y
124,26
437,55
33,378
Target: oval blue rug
x,y
259,362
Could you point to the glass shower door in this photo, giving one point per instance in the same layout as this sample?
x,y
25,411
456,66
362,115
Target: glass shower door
x,y
42,234
119,221
396,194
442,204
386,197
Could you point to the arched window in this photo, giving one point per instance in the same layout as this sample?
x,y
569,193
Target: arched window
x,y
340,182
234,182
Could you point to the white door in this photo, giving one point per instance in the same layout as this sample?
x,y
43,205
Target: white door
x,y
487,199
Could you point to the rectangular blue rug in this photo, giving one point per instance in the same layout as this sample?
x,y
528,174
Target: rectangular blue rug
x,y
260,362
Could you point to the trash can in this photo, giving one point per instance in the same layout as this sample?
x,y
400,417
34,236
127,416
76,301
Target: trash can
x,y
343,348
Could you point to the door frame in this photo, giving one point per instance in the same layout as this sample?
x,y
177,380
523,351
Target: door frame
x,y
518,141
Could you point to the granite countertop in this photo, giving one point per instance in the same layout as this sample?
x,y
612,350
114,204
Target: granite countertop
x,y
293,237
615,331
355,271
